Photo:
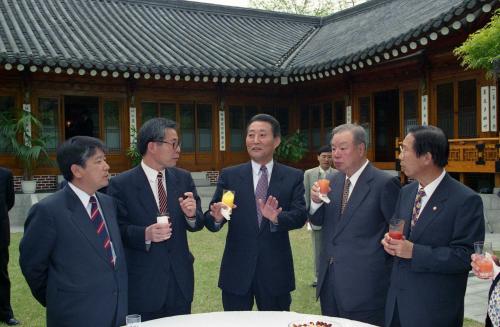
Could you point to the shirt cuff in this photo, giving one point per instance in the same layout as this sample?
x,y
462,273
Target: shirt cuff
x,y
314,206
191,221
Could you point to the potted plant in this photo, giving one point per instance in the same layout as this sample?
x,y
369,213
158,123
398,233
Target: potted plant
x,y
292,148
133,152
30,150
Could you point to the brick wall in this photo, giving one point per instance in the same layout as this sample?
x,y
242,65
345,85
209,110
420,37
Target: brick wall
x,y
43,183
213,176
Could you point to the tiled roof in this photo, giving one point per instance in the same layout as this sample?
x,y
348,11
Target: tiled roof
x,y
180,39
382,28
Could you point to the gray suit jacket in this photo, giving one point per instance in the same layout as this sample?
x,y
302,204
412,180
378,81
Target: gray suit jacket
x,y
430,287
311,176
360,266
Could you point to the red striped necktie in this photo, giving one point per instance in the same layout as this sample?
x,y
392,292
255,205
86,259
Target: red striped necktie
x,y
162,194
100,226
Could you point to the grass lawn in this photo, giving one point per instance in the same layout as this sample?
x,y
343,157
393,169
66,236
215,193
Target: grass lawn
x,y
207,248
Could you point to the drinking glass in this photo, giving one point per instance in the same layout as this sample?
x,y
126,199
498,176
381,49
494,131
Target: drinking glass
x,y
396,228
133,320
228,198
484,263
163,218
324,184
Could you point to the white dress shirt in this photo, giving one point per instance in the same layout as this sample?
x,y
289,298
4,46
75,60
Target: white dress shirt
x,y
429,190
354,179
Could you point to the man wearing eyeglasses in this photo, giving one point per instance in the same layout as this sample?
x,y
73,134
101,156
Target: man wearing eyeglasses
x,y
161,277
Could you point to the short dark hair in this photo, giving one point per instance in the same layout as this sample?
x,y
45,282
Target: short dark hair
x,y
324,148
153,130
431,139
76,151
275,124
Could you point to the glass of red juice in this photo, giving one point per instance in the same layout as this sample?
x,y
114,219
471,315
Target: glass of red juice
x,y
484,263
396,228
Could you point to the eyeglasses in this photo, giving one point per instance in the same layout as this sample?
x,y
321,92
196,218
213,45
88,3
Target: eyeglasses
x,y
175,144
402,149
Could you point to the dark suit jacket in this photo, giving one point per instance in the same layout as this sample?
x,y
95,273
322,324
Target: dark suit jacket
x,y
361,266
149,270
66,266
264,252
7,197
430,287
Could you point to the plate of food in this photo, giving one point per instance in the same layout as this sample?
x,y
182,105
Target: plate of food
x,y
314,323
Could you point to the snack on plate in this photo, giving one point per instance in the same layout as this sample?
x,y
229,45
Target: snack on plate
x,y
311,324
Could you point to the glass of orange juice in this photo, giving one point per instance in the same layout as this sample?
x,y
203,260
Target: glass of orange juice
x,y
484,262
324,188
228,200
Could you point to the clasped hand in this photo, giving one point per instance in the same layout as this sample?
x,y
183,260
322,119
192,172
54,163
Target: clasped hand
x,y
315,194
215,211
399,248
188,204
158,232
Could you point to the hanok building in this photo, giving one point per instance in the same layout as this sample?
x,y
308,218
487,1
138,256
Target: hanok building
x,y
104,67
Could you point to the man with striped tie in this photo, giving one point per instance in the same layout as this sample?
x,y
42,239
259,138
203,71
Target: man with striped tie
x,y
443,219
161,275
71,253
354,269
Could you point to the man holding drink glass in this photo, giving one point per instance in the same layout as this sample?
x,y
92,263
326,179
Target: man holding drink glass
x,y
354,269
157,204
442,219
257,265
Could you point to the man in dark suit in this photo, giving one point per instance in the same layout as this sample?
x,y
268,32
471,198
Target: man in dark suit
x,y
71,253
257,262
354,269
7,198
443,218
160,266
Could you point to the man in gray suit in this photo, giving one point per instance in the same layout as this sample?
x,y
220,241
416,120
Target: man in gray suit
x,y
354,268
310,176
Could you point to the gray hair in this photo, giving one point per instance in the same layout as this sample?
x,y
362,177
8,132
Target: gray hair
x,y
153,130
358,132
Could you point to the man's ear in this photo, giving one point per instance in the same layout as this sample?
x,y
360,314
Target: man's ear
x,y
428,158
277,142
76,170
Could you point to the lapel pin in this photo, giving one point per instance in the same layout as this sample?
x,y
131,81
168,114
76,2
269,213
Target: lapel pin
x,y
434,208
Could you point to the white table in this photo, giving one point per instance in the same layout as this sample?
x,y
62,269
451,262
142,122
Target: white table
x,y
247,319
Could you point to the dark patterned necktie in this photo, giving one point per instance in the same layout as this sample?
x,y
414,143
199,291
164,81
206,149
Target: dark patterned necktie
x,y
162,194
494,306
345,195
417,206
261,191
100,226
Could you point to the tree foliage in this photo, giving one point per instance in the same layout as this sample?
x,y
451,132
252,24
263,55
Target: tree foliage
x,y
292,148
482,47
304,7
